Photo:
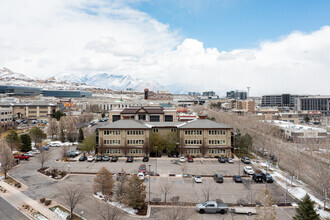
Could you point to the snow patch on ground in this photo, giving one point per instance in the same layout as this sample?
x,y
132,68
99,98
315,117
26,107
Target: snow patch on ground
x,y
62,214
120,206
39,216
295,190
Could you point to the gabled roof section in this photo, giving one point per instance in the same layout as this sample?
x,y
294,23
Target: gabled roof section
x,y
203,124
148,109
125,124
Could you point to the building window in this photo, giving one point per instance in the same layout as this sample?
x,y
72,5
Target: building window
x,y
112,151
217,142
168,118
217,132
193,142
193,151
193,132
173,129
111,142
115,118
142,117
154,118
217,151
111,132
135,132
155,130
135,142
135,151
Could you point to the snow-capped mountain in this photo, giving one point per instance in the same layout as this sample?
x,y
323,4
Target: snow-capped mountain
x,y
111,81
8,74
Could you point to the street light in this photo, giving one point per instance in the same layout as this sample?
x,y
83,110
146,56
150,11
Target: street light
x,y
69,168
81,214
156,157
149,183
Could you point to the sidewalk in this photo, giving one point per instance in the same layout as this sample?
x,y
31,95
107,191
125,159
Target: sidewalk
x,y
17,199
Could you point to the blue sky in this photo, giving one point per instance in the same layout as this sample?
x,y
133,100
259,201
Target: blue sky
x,y
231,24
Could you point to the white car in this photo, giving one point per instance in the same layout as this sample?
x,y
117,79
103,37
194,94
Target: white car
x,y
54,145
230,160
248,170
90,159
198,179
31,153
141,175
36,151
182,159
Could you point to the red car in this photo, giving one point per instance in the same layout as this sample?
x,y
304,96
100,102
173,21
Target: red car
x,y
190,159
142,168
22,157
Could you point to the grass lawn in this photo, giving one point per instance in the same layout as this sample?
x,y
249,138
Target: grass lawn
x,y
5,133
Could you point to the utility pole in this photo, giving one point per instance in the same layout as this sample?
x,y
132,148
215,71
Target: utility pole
x,y
149,183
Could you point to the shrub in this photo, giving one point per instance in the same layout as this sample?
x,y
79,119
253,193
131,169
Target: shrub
x,y
157,200
42,200
175,199
18,185
48,202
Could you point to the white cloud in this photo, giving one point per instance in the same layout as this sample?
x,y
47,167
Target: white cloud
x,y
91,36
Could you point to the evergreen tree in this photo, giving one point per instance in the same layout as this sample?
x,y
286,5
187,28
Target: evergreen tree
x,y
305,210
81,135
89,144
135,193
37,135
12,139
58,115
26,142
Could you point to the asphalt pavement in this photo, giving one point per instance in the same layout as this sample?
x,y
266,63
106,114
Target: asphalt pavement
x,y
8,212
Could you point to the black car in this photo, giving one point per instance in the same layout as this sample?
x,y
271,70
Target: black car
x,y
129,159
106,158
82,158
145,159
218,178
114,159
98,158
257,177
237,178
267,178
222,160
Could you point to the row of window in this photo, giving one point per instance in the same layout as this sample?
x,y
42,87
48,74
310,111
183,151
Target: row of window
x,y
193,132
112,151
6,113
135,151
217,132
135,132
5,119
213,142
111,132
111,141
193,142
135,142
210,151
156,130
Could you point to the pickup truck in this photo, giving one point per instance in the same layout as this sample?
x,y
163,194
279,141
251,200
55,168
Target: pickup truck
x,y
244,210
212,207
22,157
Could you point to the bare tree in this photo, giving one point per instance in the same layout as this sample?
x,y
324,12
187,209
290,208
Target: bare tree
x,y
176,213
266,210
71,128
72,195
108,212
183,168
64,151
250,196
165,188
103,182
6,159
43,157
53,127
120,187
207,190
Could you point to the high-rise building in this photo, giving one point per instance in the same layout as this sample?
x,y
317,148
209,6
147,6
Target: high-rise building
x,y
146,94
313,103
283,100
241,95
209,93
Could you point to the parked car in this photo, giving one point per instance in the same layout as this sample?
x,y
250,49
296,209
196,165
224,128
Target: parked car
x,y
212,207
248,170
145,159
142,168
36,151
182,159
222,160
54,145
246,160
237,178
267,177
129,159
82,158
45,148
106,158
31,153
90,159
190,159
73,153
198,179
244,210
141,175
22,157
230,160
27,154
218,178
114,159
98,158
257,177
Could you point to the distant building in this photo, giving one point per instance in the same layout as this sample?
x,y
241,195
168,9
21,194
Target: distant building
x,y
313,103
245,106
6,116
19,90
66,94
146,94
209,93
283,100
239,95
194,93
144,113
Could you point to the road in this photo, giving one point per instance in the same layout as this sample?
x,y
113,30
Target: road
x,y
8,212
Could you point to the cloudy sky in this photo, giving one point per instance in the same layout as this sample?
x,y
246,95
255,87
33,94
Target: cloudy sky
x,y
195,45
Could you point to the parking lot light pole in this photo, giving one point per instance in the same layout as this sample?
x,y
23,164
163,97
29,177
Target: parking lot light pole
x,y
69,168
149,183
156,157
81,214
